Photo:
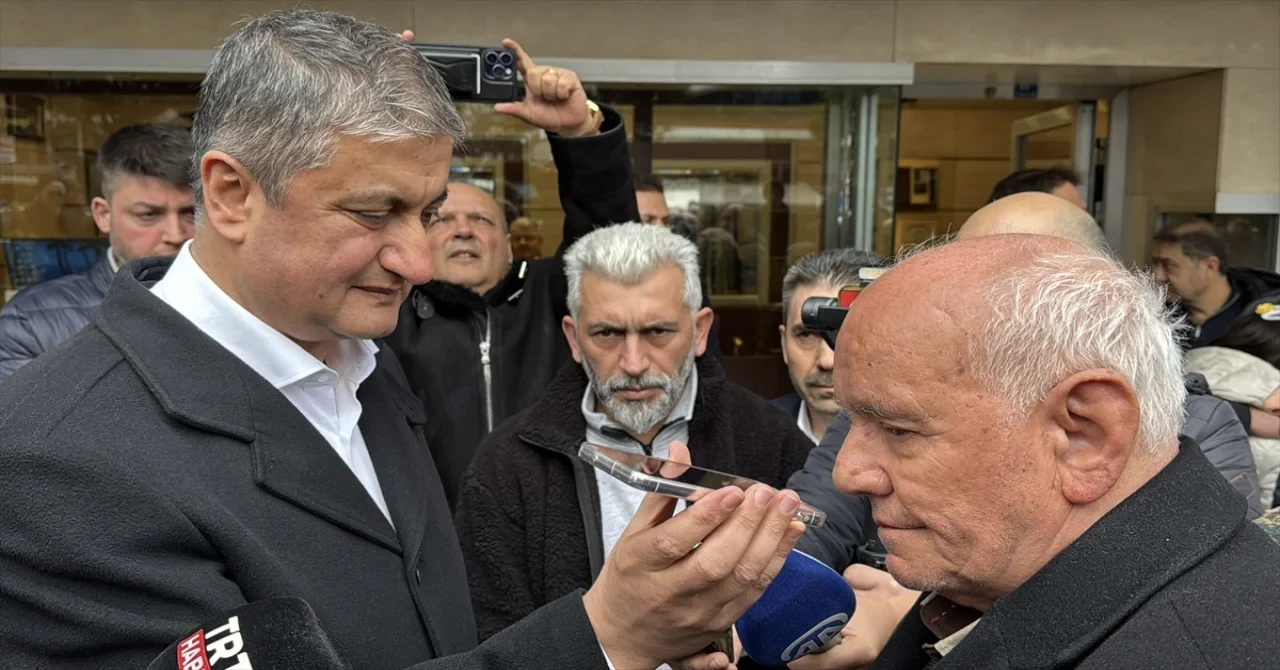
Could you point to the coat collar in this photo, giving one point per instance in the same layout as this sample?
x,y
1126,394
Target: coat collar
x,y
442,296
1184,514
202,385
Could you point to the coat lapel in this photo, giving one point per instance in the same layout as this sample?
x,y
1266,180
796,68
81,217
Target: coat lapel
x,y
199,383
391,425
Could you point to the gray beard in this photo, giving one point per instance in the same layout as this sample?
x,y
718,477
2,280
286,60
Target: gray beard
x,y
640,416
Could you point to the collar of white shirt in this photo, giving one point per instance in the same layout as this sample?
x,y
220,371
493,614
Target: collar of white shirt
x,y
802,420
189,290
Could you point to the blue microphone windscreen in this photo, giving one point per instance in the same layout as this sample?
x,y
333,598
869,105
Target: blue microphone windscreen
x,y
806,606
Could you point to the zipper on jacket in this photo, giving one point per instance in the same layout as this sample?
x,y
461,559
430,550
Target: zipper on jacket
x,y
486,366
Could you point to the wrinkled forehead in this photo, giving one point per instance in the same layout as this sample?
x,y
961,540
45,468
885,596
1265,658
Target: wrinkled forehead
x,y
657,296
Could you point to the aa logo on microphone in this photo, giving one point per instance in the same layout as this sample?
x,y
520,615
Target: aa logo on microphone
x,y
220,649
817,638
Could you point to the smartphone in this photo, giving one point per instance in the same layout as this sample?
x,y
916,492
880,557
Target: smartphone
x,y
668,478
476,74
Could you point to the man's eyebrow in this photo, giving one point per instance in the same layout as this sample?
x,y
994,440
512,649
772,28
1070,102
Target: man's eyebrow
x,y
383,198
876,410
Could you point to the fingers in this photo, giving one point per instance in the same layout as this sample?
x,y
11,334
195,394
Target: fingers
x,y
548,78
516,109
866,578
566,82
716,661
523,62
672,540
743,547
677,461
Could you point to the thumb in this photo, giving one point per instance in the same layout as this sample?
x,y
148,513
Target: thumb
x,y
516,109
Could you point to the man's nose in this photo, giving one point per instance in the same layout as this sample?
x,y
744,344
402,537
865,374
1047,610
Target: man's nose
x,y
856,471
462,228
1160,275
177,229
826,357
635,359
407,252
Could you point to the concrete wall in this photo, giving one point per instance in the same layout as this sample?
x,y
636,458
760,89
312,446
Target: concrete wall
x,y
1173,154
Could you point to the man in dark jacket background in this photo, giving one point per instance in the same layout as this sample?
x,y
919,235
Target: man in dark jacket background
x,y
145,209
809,359
1191,259
537,522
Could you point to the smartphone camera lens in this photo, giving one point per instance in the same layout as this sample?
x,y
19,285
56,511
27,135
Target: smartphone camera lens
x,y
505,58
499,71
491,57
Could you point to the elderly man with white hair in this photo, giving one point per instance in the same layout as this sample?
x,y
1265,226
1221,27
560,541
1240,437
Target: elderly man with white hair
x,y
1015,404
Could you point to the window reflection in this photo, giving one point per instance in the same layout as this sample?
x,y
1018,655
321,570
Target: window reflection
x,y
757,178
1252,239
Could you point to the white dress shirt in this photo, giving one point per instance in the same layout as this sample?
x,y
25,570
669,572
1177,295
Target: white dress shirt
x,y
324,394
802,420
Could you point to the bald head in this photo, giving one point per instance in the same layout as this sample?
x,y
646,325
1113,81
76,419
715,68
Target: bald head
x,y
1035,214
1004,392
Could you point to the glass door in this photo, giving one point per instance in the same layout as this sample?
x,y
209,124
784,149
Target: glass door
x,y
1062,137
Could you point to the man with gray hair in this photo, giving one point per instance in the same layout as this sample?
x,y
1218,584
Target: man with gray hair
x,y
809,359
639,383
226,430
1019,443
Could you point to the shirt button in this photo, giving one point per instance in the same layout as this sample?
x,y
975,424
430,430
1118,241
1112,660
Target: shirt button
x,y
417,575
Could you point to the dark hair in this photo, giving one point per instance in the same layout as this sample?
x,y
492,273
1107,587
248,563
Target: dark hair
x,y
1254,335
1197,240
834,267
647,183
1033,181
158,150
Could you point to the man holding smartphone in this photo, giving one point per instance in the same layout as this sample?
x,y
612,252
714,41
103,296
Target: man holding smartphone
x,y
227,429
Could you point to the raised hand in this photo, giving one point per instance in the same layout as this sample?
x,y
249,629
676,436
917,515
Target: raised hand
x,y
554,100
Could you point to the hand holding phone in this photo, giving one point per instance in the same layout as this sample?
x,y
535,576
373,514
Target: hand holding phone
x,y
677,480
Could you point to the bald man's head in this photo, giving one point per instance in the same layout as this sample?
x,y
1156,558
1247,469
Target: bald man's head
x,y
1035,214
1004,392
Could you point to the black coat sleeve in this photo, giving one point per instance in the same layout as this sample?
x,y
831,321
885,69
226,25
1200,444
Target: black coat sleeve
x,y
597,188
848,517
558,635
597,183
491,529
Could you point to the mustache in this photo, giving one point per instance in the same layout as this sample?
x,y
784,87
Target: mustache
x,y
644,382
820,379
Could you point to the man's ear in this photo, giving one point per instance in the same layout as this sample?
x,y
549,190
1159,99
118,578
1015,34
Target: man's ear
x,y
782,338
1094,417
228,188
570,329
702,320
101,214
1214,264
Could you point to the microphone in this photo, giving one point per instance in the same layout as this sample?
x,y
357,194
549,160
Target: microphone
x,y
277,633
802,612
